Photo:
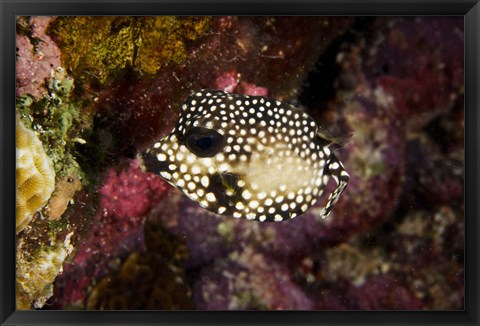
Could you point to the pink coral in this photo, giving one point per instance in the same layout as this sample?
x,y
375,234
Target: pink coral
x,y
130,193
252,89
125,198
35,63
117,227
227,81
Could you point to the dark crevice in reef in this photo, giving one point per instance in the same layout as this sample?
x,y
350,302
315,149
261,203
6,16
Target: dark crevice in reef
x,y
319,87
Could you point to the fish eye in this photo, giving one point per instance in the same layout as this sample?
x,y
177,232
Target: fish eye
x,y
203,142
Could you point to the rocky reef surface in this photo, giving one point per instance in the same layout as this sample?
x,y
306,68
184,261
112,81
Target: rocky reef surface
x,y
96,90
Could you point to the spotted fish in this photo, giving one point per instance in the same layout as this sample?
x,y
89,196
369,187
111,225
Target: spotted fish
x,y
247,156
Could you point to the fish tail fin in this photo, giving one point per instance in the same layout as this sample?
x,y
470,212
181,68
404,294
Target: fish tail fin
x,y
335,168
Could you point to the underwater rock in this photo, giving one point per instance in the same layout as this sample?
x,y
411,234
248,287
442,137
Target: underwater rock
x,y
376,161
200,232
351,263
36,272
151,280
55,119
402,211
229,82
243,49
248,280
126,196
34,175
416,63
143,282
382,292
403,253
37,55
60,123
433,176
422,239
419,62
65,189
97,49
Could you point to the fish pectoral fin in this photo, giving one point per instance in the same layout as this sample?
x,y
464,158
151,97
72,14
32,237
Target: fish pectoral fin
x,y
335,168
225,188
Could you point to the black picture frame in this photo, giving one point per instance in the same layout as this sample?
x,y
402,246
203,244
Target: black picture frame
x,y
11,8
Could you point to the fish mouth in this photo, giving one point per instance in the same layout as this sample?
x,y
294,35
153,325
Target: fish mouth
x,y
225,186
150,163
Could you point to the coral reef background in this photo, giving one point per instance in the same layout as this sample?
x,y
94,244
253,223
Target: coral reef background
x,y
93,91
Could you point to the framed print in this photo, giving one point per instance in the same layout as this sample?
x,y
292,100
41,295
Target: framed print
x,y
248,163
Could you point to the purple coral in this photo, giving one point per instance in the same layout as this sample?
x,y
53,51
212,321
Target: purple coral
x,y
422,62
377,293
248,280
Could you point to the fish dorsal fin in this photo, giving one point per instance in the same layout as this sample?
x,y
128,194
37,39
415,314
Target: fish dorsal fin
x,y
327,139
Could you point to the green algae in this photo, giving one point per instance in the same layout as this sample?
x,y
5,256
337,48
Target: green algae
x,y
58,121
61,122
97,49
226,230
248,300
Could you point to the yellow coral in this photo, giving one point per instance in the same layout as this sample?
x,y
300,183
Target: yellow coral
x,y
97,48
35,177
37,271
